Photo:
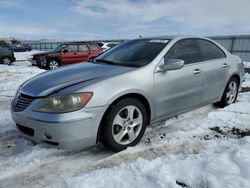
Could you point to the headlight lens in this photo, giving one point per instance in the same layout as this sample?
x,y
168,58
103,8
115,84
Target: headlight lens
x,y
64,103
30,57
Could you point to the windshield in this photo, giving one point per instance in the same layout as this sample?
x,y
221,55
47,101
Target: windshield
x,y
59,48
134,53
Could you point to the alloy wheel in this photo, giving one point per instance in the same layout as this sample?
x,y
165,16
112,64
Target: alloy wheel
x,y
231,92
53,65
127,125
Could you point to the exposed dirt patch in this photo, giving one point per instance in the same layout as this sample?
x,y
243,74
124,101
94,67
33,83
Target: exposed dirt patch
x,y
181,184
6,73
245,89
239,133
247,70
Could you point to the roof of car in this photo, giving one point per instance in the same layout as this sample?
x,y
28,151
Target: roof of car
x,y
170,37
79,42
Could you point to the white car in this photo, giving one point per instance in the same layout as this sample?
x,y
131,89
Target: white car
x,y
107,45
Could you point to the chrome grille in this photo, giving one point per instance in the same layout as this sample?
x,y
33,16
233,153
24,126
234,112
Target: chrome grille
x,y
22,102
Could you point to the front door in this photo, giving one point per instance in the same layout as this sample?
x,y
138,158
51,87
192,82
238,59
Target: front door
x,y
71,55
178,90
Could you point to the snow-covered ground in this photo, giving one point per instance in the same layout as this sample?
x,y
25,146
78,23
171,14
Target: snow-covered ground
x,y
246,64
207,147
247,81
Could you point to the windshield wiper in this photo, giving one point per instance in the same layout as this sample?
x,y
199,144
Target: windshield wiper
x,y
131,65
106,61
114,63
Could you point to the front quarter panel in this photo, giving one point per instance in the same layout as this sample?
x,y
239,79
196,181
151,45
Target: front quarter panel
x,y
106,91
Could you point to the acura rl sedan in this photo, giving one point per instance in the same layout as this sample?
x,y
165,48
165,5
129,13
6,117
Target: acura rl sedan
x,y
114,97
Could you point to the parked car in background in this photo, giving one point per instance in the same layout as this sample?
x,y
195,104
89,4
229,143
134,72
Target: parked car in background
x,y
107,45
113,98
20,47
65,54
6,55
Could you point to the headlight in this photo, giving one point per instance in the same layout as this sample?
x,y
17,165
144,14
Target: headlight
x,y
30,57
64,103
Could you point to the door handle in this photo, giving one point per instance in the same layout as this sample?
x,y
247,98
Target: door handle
x,y
75,53
197,71
225,65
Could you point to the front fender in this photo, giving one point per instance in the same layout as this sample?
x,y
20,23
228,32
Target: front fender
x,y
134,91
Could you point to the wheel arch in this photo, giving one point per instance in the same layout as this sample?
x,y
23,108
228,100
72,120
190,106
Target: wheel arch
x,y
236,76
138,96
48,59
53,58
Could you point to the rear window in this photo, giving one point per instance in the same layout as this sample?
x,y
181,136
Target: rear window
x,y
93,47
100,44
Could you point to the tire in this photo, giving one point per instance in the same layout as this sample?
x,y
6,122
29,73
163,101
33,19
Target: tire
x,y
6,61
230,93
52,64
122,129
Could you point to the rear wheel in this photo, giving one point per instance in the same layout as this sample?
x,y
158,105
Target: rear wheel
x,y
53,64
6,61
230,94
125,125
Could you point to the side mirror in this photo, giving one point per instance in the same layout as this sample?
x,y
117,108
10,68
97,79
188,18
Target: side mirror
x,y
171,64
65,50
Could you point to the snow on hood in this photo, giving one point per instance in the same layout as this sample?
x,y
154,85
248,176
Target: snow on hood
x,y
54,80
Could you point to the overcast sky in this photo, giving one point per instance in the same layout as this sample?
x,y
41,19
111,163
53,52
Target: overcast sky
x,y
107,19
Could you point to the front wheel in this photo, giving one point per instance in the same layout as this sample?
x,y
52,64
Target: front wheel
x,y
53,64
230,94
125,125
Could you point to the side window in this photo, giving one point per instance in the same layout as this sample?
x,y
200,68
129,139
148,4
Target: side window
x,y
210,51
112,45
4,47
72,48
83,48
93,47
186,49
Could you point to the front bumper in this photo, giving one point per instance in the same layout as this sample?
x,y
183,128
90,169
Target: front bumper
x,y
67,131
39,63
33,62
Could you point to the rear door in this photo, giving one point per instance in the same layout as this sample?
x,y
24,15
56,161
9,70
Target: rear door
x,y
178,90
71,56
83,52
95,50
215,68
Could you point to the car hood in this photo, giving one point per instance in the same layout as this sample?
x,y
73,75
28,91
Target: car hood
x,y
46,54
52,81
41,54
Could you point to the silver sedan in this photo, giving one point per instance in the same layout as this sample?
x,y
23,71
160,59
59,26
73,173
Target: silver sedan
x,y
115,96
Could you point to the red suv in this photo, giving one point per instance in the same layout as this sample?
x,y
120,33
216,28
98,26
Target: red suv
x,y
66,53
